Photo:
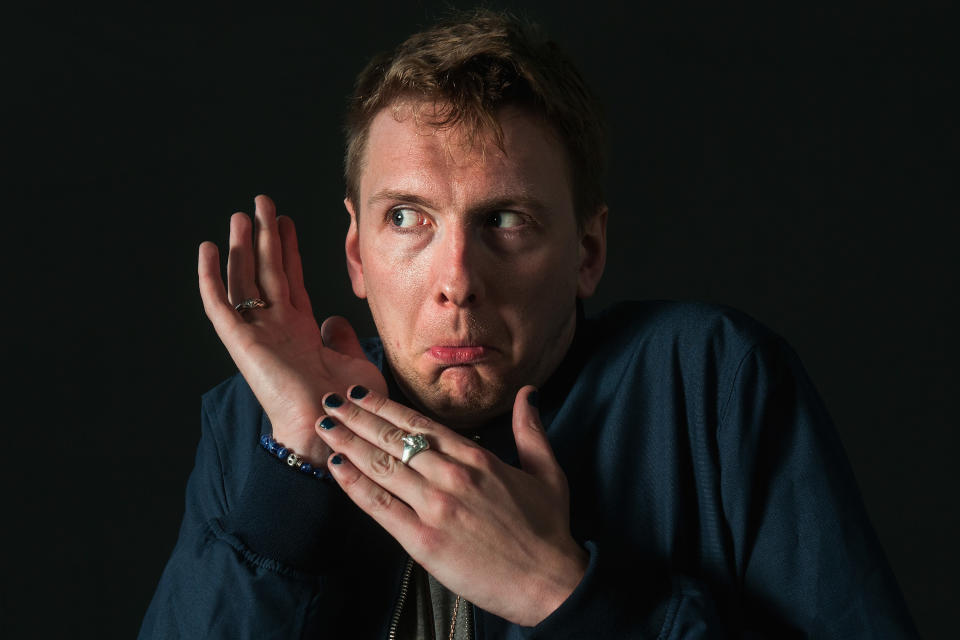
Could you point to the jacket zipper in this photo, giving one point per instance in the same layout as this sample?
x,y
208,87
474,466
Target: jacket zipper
x,y
404,587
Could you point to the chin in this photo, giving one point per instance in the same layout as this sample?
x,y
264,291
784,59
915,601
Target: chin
x,y
464,398
463,417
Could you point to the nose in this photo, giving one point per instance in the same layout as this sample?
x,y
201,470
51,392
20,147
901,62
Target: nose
x,y
457,269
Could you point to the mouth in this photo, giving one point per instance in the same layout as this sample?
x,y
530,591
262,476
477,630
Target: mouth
x,y
453,355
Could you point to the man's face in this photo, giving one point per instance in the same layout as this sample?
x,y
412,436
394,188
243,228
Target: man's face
x,y
470,259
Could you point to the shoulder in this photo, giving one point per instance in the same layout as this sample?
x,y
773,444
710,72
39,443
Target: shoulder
x,y
687,329
232,402
233,421
694,346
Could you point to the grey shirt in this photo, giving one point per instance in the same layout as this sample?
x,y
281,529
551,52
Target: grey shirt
x,y
428,614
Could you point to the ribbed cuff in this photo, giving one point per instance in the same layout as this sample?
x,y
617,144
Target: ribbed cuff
x,y
289,516
604,604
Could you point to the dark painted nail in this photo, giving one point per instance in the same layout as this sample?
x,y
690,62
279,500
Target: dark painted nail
x,y
358,392
333,400
327,423
336,459
534,399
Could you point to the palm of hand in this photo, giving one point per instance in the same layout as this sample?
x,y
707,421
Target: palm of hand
x,y
290,369
283,355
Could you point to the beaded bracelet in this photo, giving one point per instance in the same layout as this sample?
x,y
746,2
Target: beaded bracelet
x,y
293,460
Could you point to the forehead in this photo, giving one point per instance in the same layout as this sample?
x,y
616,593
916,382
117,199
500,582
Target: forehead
x,y
406,152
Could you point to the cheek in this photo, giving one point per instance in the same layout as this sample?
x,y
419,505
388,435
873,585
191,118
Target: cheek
x,y
548,275
542,291
395,289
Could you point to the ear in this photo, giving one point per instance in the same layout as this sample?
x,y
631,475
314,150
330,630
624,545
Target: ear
x,y
593,252
352,248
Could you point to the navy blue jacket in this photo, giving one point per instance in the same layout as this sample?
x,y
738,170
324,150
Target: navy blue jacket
x,y
707,484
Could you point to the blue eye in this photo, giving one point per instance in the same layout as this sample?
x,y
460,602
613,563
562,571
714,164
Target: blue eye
x,y
405,218
506,219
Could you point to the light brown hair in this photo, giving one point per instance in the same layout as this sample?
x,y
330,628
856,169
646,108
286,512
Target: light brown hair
x,y
467,68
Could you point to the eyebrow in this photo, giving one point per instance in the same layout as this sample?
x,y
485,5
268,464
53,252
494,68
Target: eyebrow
x,y
490,204
388,194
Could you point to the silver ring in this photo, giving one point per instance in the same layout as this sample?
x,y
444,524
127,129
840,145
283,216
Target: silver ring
x,y
251,303
413,444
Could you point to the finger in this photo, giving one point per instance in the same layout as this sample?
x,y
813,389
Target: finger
x,y
451,461
337,334
380,479
367,409
241,276
361,423
533,448
214,295
391,513
269,255
292,266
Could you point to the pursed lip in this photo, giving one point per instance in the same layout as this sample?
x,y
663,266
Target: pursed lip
x,y
459,354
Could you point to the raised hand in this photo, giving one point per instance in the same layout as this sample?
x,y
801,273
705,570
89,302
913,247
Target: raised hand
x,y
288,361
497,535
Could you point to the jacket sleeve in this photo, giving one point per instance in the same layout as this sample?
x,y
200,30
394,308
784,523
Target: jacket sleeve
x,y
609,602
806,557
250,560
802,557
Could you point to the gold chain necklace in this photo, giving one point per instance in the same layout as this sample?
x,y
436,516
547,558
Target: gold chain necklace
x,y
453,623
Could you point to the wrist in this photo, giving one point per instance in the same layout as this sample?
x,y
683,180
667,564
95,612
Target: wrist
x,y
308,446
556,587
292,458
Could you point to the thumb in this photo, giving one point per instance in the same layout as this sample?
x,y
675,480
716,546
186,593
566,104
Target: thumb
x,y
533,448
337,334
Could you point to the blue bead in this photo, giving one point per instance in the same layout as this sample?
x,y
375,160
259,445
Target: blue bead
x,y
283,452
264,440
307,467
272,446
319,474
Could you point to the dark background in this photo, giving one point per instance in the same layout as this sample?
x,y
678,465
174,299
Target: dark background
x,y
799,164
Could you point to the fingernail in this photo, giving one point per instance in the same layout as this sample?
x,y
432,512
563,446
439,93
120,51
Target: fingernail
x,y
333,401
336,459
534,399
358,392
327,423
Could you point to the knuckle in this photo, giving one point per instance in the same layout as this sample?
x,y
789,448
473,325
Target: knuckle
x,y
443,507
349,481
377,403
353,412
342,436
380,500
458,477
382,464
417,422
478,458
390,437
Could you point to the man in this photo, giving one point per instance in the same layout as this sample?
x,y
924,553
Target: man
x,y
500,466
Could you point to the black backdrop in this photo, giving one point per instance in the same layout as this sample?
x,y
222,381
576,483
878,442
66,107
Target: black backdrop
x,y
797,164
